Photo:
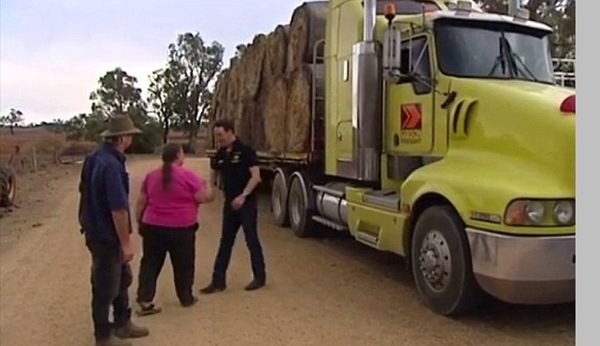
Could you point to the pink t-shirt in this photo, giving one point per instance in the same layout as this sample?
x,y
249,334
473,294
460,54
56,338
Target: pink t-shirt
x,y
175,207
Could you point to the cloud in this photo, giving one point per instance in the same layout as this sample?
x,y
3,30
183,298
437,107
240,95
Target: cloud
x,y
53,53
57,80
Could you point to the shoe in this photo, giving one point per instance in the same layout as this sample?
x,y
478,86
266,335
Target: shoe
x,y
131,331
213,288
147,309
190,304
255,284
113,341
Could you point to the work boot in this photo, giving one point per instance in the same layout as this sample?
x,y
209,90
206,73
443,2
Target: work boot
x,y
213,288
255,284
131,331
113,341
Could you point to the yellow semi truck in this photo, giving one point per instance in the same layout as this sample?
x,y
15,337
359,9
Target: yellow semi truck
x,y
438,133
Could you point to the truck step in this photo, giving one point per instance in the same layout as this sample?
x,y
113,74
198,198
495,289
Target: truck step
x,y
385,198
367,239
326,222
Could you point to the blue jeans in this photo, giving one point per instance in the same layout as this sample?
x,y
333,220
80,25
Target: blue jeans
x,y
111,279
246,218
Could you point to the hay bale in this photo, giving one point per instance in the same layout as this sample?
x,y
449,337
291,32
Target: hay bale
x,y
276,52
307,27
299,110
251,68
272,110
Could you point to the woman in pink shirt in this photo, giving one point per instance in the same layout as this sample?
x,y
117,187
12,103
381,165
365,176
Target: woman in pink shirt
x,y
168,212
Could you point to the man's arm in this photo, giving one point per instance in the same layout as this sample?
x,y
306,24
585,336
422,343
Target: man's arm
x,y
83,195
119,206
253,182
251,160
213,178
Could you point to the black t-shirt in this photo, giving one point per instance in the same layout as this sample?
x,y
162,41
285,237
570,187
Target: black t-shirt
x,y
234,168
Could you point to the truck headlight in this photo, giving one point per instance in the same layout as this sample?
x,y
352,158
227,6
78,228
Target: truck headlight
x,y
564,213
537,213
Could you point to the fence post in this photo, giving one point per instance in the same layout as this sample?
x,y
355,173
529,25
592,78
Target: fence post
x,y
35,167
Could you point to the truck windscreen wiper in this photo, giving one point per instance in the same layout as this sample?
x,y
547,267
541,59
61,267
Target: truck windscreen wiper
x,y
500,59
514,58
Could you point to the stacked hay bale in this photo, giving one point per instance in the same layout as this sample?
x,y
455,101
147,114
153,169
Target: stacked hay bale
x,y
267,91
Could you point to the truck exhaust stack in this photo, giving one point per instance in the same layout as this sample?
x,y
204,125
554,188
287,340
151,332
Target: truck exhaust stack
x,y
370,18
366,103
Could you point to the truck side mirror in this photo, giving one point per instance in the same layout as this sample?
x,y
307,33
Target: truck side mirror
x,y
392,57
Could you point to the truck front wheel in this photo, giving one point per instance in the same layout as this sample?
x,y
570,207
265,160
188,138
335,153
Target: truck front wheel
x,y
301,206
441,262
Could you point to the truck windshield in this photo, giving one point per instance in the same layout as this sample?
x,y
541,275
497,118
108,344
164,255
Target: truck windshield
x,y
493,50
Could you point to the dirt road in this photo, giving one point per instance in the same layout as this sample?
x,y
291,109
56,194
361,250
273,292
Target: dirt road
x,y
320,292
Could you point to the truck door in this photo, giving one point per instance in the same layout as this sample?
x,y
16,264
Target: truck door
x,y
409,115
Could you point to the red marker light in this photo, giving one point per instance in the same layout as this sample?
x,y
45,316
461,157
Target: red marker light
x,y
568,105
390,11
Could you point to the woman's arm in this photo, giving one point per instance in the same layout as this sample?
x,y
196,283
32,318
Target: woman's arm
x,y
205,194
140,206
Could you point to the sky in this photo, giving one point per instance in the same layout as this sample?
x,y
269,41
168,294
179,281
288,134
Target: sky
x,y
52,52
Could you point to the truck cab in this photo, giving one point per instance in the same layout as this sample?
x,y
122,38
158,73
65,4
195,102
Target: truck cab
x,y
447,142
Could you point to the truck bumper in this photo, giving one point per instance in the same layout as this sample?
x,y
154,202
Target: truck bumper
x,y
524,270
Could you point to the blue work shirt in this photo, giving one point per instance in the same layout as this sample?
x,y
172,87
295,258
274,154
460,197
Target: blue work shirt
x,y
104,188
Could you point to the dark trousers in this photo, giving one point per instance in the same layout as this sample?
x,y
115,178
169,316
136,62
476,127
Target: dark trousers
x,y
246,217
110,280
180,244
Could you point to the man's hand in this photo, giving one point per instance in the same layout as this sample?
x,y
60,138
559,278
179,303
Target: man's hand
x,y
128,251
238,202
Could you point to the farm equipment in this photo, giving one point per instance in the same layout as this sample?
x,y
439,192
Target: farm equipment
x,y
8,185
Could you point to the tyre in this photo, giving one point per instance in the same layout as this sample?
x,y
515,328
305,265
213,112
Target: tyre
x,y
279,195
8,186
301,206
441,263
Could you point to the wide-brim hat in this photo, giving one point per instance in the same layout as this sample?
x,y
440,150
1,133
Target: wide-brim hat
x,y
120,125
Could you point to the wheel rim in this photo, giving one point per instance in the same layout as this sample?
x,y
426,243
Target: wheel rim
x,y
297,205
276,200
435,261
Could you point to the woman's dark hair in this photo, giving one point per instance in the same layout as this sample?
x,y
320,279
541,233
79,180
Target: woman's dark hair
x,y
169,155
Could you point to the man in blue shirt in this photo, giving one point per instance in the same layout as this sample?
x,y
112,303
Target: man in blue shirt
x,y
105,221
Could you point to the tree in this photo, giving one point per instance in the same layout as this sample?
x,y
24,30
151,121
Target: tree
x,y
14,118
118,94
196,65
162,96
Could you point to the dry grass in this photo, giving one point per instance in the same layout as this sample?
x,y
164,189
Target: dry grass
x,y
27,138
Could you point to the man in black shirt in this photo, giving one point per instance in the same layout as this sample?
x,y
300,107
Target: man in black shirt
x,y
240,174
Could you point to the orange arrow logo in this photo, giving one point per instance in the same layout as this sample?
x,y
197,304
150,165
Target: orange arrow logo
x,y
411,116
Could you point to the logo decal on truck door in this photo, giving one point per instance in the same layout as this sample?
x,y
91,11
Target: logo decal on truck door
x,y
411,117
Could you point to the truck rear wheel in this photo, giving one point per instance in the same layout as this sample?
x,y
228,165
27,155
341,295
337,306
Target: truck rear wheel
x,y
301,206
441,262
8,186
279,196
